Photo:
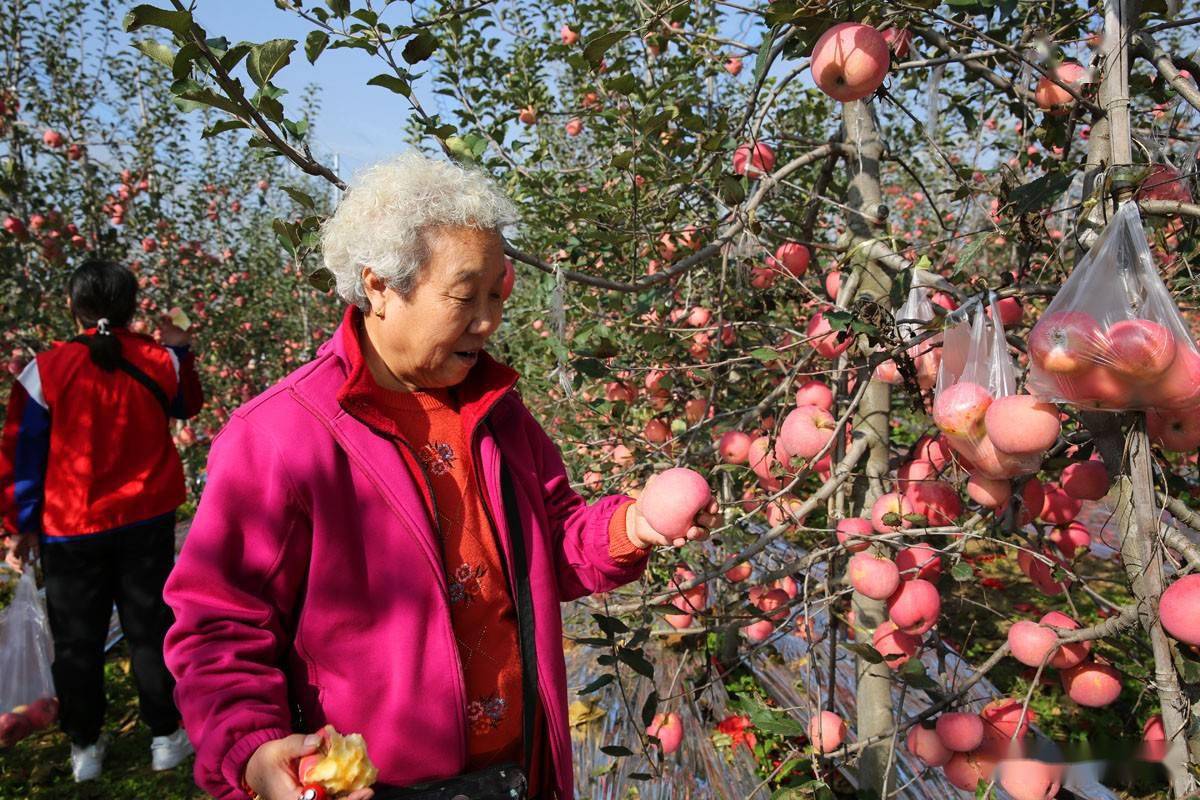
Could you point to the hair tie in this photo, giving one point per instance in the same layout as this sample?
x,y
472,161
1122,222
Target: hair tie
x,y
102,327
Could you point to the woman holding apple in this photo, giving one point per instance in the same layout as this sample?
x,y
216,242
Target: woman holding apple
x,y
387,534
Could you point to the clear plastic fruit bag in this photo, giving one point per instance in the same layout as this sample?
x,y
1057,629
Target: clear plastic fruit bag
x,y
26,648
1112,338
976,370
911,319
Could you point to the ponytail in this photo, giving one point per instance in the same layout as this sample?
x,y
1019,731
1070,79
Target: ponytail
x,y
103,347
104,296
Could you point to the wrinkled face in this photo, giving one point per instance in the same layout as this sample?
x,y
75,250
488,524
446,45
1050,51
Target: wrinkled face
x,y
433,337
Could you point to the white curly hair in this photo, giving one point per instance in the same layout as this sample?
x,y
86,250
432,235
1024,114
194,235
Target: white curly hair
x,y
383,219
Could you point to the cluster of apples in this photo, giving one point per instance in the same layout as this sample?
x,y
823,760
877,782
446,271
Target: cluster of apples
x,y
1086,680
1130,363
970,747
23,720
339,767
805,432
997,438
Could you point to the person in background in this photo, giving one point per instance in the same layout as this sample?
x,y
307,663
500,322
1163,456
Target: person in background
x,y
89,477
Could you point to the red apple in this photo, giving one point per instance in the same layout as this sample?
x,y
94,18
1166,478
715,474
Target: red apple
x,y
1020,423
849,61
826,731
1068,655
1178,388
915,606
894,645
959,410
672,499
1092,684
814,393
854,534
1065,342
960,731
1140,349
919,561
734,447
568,36
892,504
668,728
873,576
1051,97
761,162
792,257
1088,480
824,339
925,744
1177,609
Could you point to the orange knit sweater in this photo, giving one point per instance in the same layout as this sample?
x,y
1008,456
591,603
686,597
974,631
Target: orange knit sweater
x,y
481,605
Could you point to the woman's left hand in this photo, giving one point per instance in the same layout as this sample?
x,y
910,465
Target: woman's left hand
x,y
643,535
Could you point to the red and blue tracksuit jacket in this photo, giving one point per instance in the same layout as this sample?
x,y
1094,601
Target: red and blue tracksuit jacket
x,y
86,451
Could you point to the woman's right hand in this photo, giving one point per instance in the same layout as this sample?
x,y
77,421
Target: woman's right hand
x,y
271,771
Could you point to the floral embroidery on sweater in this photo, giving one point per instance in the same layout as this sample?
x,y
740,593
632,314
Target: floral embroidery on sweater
x,y
466,586
486,713
438,457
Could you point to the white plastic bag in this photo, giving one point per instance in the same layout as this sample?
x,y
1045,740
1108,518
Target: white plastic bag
x,y
977,370
26,648
911,318
1112,338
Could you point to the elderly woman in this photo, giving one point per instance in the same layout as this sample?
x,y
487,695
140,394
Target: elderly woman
x,y
386,535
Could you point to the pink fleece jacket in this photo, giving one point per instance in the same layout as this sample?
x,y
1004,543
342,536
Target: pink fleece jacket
x,y
310,589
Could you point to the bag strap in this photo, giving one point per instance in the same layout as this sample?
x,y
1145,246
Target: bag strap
x,y
524,601
126,366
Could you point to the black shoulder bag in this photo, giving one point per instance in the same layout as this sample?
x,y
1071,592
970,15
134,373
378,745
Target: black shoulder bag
x,y
503,781
126,366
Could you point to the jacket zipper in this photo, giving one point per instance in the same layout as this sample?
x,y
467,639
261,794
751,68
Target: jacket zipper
x,y
437,526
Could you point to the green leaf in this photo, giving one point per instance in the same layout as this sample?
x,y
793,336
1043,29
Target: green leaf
x,y
315,44
300,197
322,280
622,84
623,159
764,50
598,683
268,58
610,625
397,85
764,354
616,751
288,235
598,45
913,673
1039,193
190,95
866,652
420,47
181,67
156,50
339,7
650,708
221,126
636,661
962,572
234,55
147,16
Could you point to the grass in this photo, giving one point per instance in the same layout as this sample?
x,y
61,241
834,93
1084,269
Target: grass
x,y
39,768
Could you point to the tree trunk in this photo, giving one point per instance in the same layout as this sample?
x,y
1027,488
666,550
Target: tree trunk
x,y
874,704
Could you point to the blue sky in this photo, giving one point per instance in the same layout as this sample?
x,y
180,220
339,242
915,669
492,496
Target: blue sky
x,y
359,123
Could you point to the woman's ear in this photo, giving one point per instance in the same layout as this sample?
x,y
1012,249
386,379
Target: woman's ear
x,y
373,287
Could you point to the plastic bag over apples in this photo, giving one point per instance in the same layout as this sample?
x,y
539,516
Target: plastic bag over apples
x,y
26,648
911,320
977,370
1113,338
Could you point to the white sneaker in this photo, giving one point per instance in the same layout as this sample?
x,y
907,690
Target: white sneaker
x,y
86,762
168,752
